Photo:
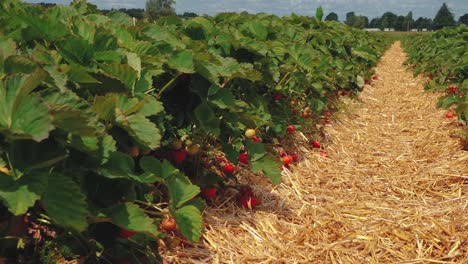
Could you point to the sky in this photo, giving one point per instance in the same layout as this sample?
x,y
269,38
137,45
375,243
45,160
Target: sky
x,y
370,8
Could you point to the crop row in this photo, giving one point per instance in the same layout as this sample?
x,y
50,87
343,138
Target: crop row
x,y
112,128
442,56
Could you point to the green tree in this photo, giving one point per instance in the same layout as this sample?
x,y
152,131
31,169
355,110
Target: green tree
x,y
159,8
444,18
350,19
332,17
408,22
423,22
463,19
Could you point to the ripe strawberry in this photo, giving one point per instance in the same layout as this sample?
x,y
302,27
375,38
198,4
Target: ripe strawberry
x,y
294,111
327,119
277,97
229,168
287,159
367,81
209,192
453,89
244,158
327,114
246,191
375,77
315,144
179,155
323,154
291,129
168,224
285,166
124,233
249,202
450,114
294,157
220,160
256,139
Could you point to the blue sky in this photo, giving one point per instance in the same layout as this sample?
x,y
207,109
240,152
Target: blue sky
x,y
370,8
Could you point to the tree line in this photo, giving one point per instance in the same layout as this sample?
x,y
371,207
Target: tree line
x,y
443,18
158,8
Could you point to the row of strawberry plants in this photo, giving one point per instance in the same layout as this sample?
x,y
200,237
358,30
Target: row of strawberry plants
x,y
442,56
111,127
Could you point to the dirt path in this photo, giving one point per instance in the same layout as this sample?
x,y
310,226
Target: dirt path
x,y
394,190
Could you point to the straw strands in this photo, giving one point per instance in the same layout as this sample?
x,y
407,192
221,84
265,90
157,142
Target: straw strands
x,y
394,190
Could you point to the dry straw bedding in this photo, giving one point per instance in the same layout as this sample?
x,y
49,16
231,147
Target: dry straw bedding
x,y
394,190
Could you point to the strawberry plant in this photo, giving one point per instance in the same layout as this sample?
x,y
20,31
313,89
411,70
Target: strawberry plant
x,y
104,122
442,57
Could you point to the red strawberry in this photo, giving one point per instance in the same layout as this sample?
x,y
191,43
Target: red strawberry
x,y
179,155
453,89
291,129
285,166
375,77
327,119
277,97
315,144
323,154
209,192
450,114
327,113
244,158
229,168
249,202
287,159
220,159
295,158
294,111
367,81
124,233
246,191
256,139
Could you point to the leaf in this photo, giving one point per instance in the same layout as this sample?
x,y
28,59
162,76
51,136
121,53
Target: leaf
x,y
120,165
181,190
207,119
76,50
21,113
122,72
270,167
105,106
129,216
19,196
256,150
65,203
134,61
190,222
19,64
162,169
140,129
182,62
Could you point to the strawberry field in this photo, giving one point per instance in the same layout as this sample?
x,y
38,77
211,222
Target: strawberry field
x,y
116,132
443,58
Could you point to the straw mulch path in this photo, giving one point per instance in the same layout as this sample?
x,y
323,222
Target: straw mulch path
x,y
394,190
